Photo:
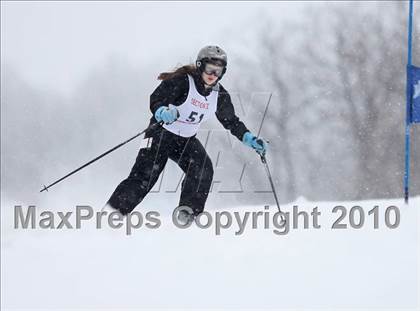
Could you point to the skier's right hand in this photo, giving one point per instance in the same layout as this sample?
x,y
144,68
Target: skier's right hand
x,y
167,114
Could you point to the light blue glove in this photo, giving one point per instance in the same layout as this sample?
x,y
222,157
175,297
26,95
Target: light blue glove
x,y
167,114
258,144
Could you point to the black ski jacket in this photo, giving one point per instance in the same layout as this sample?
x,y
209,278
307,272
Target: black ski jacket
x,y
175,91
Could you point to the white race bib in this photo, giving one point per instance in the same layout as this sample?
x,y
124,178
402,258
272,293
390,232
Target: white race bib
x,y
193,111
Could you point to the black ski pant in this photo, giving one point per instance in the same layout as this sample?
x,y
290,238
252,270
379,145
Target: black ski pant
x,y
190,156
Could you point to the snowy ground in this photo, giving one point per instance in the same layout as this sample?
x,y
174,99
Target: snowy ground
x,y
195,268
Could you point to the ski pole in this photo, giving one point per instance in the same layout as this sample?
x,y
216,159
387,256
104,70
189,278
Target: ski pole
x,y
264,161
150,127
270,179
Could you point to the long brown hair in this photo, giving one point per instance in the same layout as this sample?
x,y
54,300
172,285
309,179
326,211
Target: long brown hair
x,y
186,69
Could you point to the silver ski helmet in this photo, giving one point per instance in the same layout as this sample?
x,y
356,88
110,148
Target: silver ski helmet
x,y
211,54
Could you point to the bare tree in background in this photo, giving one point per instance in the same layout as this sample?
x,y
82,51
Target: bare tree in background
x,y
271,74
340,79
282,114
368,89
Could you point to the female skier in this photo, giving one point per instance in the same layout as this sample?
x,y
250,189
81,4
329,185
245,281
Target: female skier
x,y
185,98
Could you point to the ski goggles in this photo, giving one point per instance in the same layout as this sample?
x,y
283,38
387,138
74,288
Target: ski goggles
x,y
212,69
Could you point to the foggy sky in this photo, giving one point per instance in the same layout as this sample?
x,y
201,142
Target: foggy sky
x,y
54,44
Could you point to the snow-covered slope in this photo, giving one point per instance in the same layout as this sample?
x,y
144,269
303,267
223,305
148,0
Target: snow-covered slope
x,y
194,268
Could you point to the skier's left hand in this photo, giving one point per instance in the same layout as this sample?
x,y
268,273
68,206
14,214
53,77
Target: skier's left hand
x,y
256,143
